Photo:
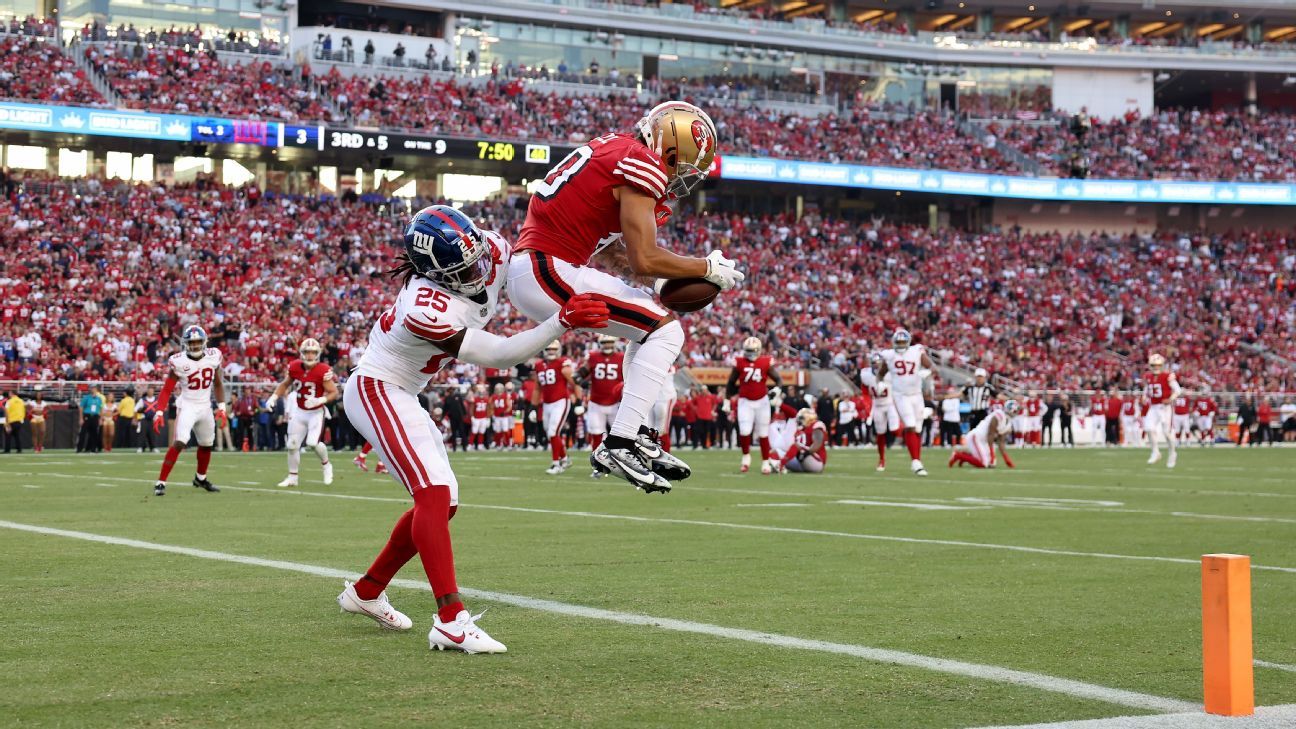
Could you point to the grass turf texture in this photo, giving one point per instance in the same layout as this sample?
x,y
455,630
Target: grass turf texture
x,y
104,635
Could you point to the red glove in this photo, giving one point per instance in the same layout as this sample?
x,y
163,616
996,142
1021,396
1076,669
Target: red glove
x,y
583,311
1007,461
158,419
662,213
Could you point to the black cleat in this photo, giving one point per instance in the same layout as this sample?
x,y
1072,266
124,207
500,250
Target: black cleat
x,y
205,485
159,489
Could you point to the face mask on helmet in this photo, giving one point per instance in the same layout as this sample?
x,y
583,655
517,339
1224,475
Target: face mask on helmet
x,y
195,342
608,346
875,363
900,341
310,353
471,279
551,353
444,246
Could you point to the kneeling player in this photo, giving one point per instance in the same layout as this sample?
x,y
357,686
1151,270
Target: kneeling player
x,y
197,371
450,286
978,449
315,386
809,451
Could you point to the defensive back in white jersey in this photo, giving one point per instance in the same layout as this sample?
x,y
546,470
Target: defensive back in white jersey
x,y
403,343
903,369
879,388
195,376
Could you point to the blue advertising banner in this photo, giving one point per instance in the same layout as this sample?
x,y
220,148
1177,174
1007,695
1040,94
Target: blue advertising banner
x,y
962,183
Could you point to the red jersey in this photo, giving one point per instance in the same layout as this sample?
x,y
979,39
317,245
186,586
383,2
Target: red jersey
x,y
605,377
704,406
1098,406
502,405
480,408
553,386
752,376
1181,405
1204,406
1034,407
310,382
1115,406
573,212
495,373
805,437
1128,408
1158,387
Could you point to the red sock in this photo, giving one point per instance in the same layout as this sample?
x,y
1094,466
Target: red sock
x,y
744,442
204,459
793,450
364,451
665,442
430,532
914,443
557,448
971,460
399,550
881,445
595,439
168,462
765,449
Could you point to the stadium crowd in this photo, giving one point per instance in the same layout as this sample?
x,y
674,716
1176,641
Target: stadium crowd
x,y
118,269
35,69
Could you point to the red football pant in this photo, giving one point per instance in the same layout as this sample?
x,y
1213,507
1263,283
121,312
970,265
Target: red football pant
x,y
423,530
968,458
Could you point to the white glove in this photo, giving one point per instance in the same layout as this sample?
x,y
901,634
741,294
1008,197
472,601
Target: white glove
x,y
722,272
580,409
924,373
220,407
531,416
314,402
270,401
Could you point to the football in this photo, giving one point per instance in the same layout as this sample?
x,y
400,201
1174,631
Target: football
x,y
688,294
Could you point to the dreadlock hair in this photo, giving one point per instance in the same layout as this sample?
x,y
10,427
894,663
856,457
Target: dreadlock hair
x,y
404,270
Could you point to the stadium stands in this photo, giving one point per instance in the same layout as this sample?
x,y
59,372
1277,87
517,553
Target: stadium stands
x,y
35,69
259,271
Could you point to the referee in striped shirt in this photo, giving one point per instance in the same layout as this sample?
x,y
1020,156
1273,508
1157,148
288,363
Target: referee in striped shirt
x,y
979,394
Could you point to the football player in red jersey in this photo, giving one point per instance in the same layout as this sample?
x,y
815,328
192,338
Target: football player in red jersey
x,y
616,190
1160,388
1181,419
556,377
603,372
315,387
1204,412
479,407
502,415
747,380
809,450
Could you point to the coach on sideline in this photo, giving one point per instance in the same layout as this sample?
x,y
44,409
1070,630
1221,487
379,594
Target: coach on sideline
x,y
979,394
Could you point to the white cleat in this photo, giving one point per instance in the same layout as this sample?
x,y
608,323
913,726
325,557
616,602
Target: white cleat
x,y
328,473
378,608
462,635
1156,456
556,468
291,480
917,468
881,467
1170,461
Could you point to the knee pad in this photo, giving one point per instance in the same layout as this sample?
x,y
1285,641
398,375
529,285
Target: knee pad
x,y
294,443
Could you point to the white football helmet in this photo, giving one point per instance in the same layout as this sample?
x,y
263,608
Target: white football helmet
x,y
607,344
310,350
806,416
194,339
1156,362
751,347
876,362
552,351
499,388
901,340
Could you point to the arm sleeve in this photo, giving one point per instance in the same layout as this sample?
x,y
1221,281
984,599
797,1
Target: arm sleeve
x,y
488,350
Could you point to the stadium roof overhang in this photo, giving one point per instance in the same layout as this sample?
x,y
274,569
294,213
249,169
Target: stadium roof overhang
x,y
952,51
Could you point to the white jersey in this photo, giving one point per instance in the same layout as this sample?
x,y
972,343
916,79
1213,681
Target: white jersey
x,y
998,416
195,376
880,390
403,343
903,367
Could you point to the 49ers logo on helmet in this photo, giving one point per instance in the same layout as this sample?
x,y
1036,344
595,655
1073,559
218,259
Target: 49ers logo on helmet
x,y
701,137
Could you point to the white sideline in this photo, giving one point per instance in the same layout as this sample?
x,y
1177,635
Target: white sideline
x,y
1266,717
1275,666
750,527
1043,682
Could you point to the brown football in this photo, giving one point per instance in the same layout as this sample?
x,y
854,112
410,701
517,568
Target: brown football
x,y
688,294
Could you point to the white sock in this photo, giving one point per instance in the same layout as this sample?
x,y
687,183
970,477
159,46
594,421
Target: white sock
x,y
294,458
646,369
321,450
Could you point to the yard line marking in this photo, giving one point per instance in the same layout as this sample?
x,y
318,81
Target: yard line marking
x,y
788,504
30,486
906,505
1276,666
752,527
1265,717
1043,682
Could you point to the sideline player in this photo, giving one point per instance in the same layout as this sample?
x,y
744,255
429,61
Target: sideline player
x,y
907,364
603,371
616,190
1160,388
556,377
502,416
883,415
1181,419
809,451
450,285
197,370
747,379
479,406
362,464
978,449
315,387
1204,412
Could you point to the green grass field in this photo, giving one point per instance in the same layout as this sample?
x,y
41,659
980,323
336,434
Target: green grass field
x,y
1106,593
